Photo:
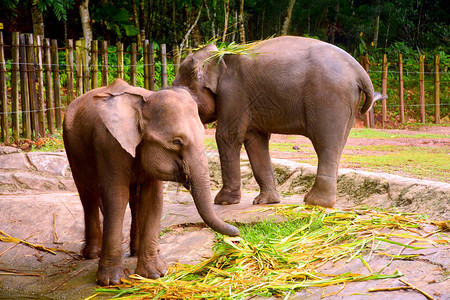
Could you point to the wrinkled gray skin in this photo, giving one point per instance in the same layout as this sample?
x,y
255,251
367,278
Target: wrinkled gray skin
x,y
294,85
121,141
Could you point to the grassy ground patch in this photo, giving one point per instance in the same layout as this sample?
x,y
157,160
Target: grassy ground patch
x,y
369,133
279,259
419,162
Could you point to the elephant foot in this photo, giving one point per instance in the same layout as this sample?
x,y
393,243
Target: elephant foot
x,y
323,192
153,267
109,275
267,198
91,250
225,197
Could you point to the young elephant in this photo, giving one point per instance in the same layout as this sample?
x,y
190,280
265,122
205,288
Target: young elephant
x,y
121,141
293,85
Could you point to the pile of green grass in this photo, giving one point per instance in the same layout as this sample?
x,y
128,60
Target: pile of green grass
x,y
284,257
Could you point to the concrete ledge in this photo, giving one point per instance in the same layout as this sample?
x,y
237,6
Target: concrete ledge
x,y
49,171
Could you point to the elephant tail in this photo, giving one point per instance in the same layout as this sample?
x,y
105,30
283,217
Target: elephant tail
x,y
366,86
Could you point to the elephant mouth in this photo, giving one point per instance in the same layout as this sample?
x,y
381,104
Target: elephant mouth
x,y
187,183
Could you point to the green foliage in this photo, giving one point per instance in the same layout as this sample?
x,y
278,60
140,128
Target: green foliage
x,y
115,18
59,7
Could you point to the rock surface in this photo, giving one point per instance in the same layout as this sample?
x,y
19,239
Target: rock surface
x,y
39,203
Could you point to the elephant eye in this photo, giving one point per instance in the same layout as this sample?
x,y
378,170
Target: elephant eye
x,y
179,142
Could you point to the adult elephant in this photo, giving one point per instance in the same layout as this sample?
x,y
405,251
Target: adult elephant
x,y
121,141
293,85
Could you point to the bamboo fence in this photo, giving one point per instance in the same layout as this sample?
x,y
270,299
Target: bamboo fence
x,y
36,85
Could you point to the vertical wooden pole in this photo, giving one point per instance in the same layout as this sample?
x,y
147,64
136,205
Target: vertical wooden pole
x,y
133,64
55,69
437,107
119,60
177,58
371,112
15,86
151,63
146,64
69,70
422,87
384,89
400,89
94,64
366,116
79,68
163,66
104,63
32,84
40,86
49,88
25,93
3,94
85,64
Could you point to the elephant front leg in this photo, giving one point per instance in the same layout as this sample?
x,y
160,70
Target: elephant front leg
x,y
149,263
115,197
229,144
257,147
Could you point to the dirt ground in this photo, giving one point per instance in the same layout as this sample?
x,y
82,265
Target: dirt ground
x,y
303,154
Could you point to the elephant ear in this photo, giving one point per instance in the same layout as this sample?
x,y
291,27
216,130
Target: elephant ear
x,y
209,68
120,112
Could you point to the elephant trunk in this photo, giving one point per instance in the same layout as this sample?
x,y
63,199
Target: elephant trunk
x,y
201,192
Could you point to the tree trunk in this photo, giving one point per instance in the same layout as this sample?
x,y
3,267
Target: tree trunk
x,y
377,25
287,20
136,23
225,26
241,22
334,29
38,22
86,22
211,20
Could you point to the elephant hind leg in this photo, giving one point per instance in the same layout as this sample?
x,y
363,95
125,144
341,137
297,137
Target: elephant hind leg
x,y
93,232
329,144
257,147
134,232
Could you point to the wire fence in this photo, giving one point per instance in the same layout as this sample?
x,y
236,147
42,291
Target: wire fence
x,y
39,79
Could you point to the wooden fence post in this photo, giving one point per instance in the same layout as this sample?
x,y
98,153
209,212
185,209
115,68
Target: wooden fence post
x,y
120,60
40,86
146,64
79,68
371,112
152,67
85,65
177,58
400,89
3,94
133,62
366,116
384,90
94,64
55,69
422,87
163,66
15,86
437,108
104,63
49,88
32,84
69,70
25,93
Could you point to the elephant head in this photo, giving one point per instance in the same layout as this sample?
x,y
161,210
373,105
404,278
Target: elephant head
x,y
164,134
200,72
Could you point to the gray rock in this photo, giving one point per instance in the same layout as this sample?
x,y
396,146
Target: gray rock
x,y
14,161
8,150
51,163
